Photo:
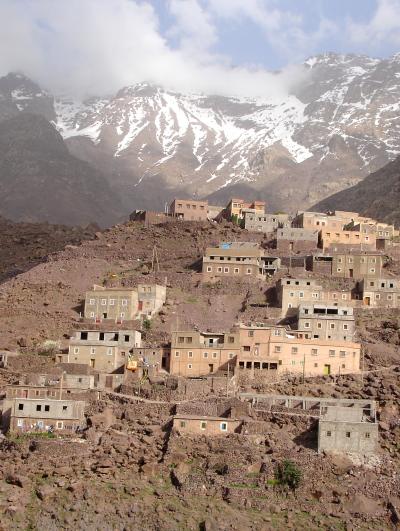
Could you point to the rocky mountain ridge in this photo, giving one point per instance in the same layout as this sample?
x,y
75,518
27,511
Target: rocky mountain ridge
x,y
337,127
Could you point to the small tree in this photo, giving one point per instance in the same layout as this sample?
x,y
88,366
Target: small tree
x,y
49,347
288,474
146,324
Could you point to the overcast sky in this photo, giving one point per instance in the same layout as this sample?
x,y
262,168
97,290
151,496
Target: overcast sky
x,y
213,46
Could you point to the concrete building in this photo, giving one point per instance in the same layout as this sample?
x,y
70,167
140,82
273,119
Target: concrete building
x,y
291,292
105,351
322,321
348,430
151,298
201,353
293,239
342,239
189,209
278,350
233,260
124,304
267,223
380,292
44,414
204,425
117,304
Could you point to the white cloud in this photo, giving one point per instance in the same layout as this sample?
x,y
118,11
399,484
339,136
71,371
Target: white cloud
x,y
381,29
99,46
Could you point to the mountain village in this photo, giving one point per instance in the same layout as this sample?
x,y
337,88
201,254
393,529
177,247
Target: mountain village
x,y
308,280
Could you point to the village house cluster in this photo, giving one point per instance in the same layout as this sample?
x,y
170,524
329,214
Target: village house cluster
x,y
339,264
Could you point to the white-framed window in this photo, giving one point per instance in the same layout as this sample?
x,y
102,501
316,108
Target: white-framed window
x,y
315,295
76,350
205,354
92,302
190,354
307,325
344,296
277,332
339,269
219,269
223,426
248,271
314,352
332,326
226,269
189,365
345,327
301,294
104,302
92,350
60,425
332,353
290,305
124,302
91,314
122,315
209,269
112,302
20,423
177,354
203,425
372,270
342,353
236,270
377,296
277,348
291,294
214,354
109,351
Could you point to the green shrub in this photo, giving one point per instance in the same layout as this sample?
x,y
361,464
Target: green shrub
x,y
288,474
146,324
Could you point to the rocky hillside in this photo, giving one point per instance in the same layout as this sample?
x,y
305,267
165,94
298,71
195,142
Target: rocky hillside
x,y
339,125
41,181
377,196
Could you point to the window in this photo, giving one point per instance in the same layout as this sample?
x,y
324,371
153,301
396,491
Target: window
x,y
377,296
295,350
301,294
224,426
367,435
214,354
60,425
47,408
332,353
277,332
92,350
122,315
230,355
226,269
332,326
20,407
291,294
372,270
277,348
124,302
329,434
20,423
91,314
189,365
205,354
182,424
250,333
109,351
315,295
342,353
248,271
319,325
209,269
231,339
236,270
203,425
76,350
345,327
314,352
112,302
181,339
103,302
219,269
348,434
64,408
190,354
339,269
315,364
246,348
38,407
293,362
176,354
91,302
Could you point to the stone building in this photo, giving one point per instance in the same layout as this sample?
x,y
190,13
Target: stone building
x,y
150,217
233,260
189,209
293,239
105,351
203,425
355,265
202,353
278,350
291,292
348,430
380,292
267,223
151,298
44,414
322,321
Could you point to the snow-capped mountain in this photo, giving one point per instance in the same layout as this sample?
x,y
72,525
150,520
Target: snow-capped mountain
x,y
340,125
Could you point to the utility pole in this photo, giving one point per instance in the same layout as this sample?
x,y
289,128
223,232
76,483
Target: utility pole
x,y
227,383
304,366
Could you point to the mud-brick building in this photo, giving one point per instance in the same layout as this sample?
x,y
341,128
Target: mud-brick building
x,y
233,260
347,429
43,414
291,292
189,209
105,351
353,264
151,298
328,239
380,292
202,353
278,350
150,217
294,239
323,321
203,425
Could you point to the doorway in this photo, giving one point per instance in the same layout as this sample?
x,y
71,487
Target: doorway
x,y
327,370
211,367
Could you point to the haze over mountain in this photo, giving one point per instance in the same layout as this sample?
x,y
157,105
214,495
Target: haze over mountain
x,y
151,144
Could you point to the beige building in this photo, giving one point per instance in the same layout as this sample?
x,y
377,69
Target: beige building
x,y
329,238
189,210
210,426
233,260
151,298
105,351
197,354
279,350
381,292
292,292
236,208
117,304
322,321
44,414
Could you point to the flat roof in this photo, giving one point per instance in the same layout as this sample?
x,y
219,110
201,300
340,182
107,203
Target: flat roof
x,y
204,417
